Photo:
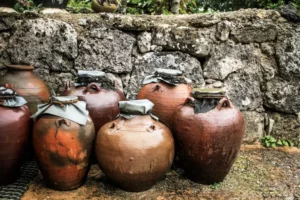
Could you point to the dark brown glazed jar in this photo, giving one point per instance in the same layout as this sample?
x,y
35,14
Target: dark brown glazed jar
x,y
167,89
135,150
208,132
27,85
8,3
102,101
14,133
63,138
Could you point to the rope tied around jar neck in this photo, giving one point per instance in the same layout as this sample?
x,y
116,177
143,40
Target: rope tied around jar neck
x,y
62,104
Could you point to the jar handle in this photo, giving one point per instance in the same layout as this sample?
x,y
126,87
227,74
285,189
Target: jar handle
x,y
62,121
224,102
189,100
94,86
151,128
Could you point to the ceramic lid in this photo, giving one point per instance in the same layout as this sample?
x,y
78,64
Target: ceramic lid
x,y
168,72
130,109
9,98
67,107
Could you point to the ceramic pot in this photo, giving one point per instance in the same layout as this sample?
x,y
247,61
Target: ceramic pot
x,y
27,85
14,133
62,4
134,151
108,6
8,3
63,146
208,132
102,104
166,98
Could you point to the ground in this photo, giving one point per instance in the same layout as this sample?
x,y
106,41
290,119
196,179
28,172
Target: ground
x,y
258,173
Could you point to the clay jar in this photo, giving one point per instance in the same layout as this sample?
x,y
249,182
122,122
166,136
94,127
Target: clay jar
x,y
27,85
135,150
165,93
14,133
102,104
208,131
63,139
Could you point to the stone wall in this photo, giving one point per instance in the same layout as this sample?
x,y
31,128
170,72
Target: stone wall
x,y
253,54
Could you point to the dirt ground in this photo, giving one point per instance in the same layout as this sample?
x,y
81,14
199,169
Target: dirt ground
x,y
258,173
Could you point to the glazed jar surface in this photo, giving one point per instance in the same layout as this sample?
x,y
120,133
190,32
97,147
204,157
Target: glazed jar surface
x,y
27,85
62,4
102,104
166,98
134,153
208,142
8,3
14,133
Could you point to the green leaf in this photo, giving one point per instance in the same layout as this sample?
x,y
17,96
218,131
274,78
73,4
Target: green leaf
x,y
285,143
273,145
279,142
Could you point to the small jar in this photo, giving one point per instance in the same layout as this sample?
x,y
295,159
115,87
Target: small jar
x,y
63,138
167,89
208,131
14,133
135,150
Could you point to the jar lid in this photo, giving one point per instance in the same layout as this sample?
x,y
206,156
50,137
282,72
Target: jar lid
x,y
67,107
169,76
9,98
91,74
20,67
208,92
130,109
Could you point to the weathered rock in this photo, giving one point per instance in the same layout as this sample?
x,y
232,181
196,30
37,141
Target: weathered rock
x,y
4,58
7,20
196,42
223,30
254,126
267,48
105,49
145,65
282,96
258,32
288,55
268,66
228,58
243,87
144,42
43,43
116,80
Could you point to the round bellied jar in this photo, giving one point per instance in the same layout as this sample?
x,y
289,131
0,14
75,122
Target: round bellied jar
x,y
135,150
14,133
167,89
208,131
27,85
100,95
63,138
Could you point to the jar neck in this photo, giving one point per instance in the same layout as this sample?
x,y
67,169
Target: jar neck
x,y
205,104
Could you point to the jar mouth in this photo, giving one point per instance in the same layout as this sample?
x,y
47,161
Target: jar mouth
x,y
20,67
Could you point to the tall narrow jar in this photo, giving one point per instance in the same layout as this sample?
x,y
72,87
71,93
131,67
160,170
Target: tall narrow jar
x,y
63,139
135,150
14,133
27,85
100,95
167,89
208,131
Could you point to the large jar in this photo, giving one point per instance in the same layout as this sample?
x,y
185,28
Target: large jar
x,y
14,133
167,89
63,138
208,131
27,85
99,94
135,150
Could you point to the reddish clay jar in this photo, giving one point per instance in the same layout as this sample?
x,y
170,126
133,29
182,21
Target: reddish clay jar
x,y
166,97
27,85
208,132
63,150
134,152
102,104
14,133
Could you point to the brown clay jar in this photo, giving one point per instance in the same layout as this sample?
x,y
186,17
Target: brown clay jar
x,y
63,149
134,151
14,133
27,85
208,132
102,103
166,98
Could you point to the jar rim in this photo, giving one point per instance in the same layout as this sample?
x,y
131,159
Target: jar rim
x,y
20,67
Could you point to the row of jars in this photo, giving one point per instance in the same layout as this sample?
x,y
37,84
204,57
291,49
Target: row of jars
x,y
132,140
